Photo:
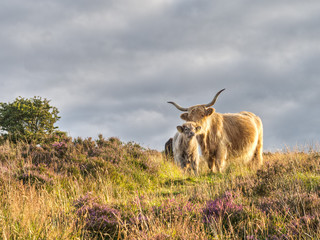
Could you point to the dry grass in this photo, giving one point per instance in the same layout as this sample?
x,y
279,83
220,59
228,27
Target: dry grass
x,y
106,189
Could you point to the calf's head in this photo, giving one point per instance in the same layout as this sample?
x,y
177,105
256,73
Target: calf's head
x,y
189,129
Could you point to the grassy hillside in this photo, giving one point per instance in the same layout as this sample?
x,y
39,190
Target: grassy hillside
x,y
107,189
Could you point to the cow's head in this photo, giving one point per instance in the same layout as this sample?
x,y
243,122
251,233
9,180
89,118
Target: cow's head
x,y
197,113
189,129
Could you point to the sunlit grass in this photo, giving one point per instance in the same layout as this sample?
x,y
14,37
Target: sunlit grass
x,y
106,189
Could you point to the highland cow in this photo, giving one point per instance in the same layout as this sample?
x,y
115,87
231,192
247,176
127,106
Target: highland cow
x,y
185,147
226,136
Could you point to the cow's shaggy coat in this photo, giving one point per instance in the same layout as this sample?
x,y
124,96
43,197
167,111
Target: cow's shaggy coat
x,y
185,147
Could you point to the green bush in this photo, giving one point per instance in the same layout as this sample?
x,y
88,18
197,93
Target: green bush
x,y
30,120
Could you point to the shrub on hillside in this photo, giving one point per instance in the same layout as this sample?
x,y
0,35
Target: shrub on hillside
x,y
33,177
223,211
30,120
268,177
99,219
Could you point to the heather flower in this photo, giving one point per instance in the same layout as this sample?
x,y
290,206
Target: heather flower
x,y
85,200
221,208
304,223
4,169
97,217
112,155
34,177
100,217
60,148
269,205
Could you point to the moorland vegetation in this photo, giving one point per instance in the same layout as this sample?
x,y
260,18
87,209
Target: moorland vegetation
x,y
107,189
53,186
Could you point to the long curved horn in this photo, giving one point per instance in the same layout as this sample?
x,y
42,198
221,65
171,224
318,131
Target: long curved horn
x,y
179,107
215,98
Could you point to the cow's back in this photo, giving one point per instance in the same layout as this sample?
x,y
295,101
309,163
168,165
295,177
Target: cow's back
x,y
242,132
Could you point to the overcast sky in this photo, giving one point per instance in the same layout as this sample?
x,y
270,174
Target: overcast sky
x,y
111,66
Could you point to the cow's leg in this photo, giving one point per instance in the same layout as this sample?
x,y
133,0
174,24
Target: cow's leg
x,y
183,163
196,167
211,160
259,150
220,160
211,163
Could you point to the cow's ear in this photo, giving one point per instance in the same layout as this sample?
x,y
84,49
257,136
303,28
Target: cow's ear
x,y
184,116
180,129
209,111
198,128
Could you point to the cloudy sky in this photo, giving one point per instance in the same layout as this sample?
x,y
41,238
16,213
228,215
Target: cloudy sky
x,y
110,66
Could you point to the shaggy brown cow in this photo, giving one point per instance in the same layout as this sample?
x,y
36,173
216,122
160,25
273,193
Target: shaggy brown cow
x,y
185,146
226,136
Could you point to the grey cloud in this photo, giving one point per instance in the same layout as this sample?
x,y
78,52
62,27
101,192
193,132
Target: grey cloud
x,y
111,66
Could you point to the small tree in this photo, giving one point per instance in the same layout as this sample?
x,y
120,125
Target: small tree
x,y
30,120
